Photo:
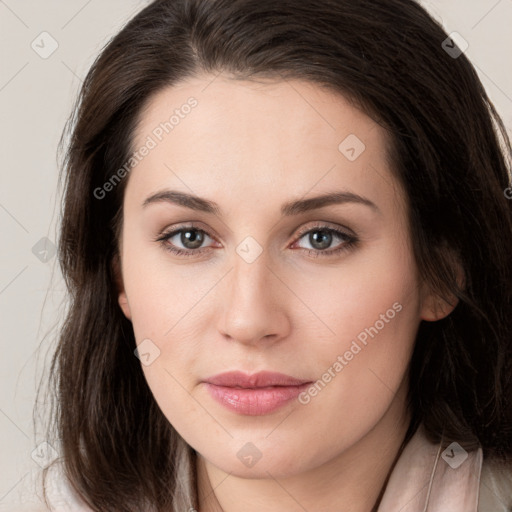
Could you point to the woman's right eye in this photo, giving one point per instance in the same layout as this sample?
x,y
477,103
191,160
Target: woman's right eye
x,y
190,237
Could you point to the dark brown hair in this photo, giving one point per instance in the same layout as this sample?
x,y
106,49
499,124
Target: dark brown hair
x,y
450,152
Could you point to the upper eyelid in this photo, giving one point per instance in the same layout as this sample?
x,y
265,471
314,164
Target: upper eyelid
x,y
327,226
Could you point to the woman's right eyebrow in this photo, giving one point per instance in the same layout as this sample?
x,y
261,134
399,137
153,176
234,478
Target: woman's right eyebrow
x,y
183,199
295,207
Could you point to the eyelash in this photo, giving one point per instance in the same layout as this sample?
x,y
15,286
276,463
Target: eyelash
x,y
349,243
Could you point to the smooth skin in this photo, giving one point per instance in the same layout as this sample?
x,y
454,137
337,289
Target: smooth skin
x,y
250,148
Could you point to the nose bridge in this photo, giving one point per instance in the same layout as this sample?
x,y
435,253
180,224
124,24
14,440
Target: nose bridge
x,y
250,310
251,286
250,274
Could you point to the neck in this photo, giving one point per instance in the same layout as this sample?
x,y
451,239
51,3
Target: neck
x,y
352,481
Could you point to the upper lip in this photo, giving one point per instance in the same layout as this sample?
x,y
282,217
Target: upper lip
x,y
257,380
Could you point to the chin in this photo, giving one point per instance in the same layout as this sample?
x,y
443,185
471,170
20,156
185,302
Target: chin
x,y
257,460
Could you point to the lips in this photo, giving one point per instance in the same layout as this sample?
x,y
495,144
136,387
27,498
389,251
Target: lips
x,y
261,379
254,395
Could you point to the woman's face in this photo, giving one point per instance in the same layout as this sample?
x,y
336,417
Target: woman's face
x,y
264,284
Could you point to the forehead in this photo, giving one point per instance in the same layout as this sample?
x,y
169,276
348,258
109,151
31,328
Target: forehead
x,y
292,136
296,105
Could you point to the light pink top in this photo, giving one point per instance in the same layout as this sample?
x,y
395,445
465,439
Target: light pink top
x,y
424,479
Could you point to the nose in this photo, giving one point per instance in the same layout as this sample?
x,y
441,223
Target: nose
x,y
253,307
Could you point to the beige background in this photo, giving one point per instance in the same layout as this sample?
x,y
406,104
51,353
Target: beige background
x,y
36,96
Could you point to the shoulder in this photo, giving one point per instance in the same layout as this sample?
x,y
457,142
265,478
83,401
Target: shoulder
x,y
495,487
30,493
60,495
444,477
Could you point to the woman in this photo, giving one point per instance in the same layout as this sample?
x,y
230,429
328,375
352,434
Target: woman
x,y
288,246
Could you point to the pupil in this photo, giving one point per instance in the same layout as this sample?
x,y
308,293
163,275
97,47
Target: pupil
x,y
320,242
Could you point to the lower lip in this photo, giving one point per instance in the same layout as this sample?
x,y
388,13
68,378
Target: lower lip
x,y
255,402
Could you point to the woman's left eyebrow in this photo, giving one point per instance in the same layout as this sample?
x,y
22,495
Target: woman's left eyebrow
x,y
290,208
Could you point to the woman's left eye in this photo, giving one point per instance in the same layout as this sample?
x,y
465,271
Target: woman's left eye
x,y
319,237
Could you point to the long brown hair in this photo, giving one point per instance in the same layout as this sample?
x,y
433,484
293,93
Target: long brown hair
x,y
450,150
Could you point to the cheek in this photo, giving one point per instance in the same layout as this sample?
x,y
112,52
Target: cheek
x,y
372,312
360,375
160,292
365,291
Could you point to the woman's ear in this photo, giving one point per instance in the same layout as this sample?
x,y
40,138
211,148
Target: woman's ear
x,y
122,299
434,307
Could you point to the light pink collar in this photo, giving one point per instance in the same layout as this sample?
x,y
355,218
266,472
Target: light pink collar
x,y
427,479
